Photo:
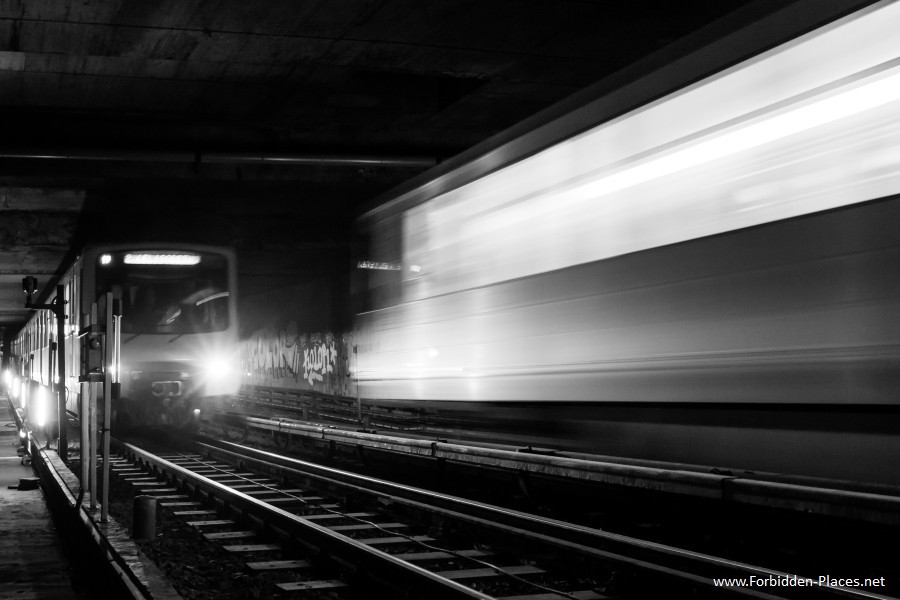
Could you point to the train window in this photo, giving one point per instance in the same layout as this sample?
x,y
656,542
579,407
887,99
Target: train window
x,y
378,275
167,298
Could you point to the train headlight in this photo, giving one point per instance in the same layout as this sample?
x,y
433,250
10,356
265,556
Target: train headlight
x,y
216,367
220,374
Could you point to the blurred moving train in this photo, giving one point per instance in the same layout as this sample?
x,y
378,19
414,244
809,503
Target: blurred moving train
x,y
712,277
178,333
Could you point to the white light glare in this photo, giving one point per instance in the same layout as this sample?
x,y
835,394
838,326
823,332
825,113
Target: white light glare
x,y
7,378
105,259
216,367
154,258
40,407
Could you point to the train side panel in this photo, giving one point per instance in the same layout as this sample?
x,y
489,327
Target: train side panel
x,y
797,312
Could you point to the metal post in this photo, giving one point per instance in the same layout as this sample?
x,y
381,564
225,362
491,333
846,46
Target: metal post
x,y
92,425
117,345
85,439
358,398
60,312
108,357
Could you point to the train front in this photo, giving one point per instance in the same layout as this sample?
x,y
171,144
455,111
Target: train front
x,y
179,344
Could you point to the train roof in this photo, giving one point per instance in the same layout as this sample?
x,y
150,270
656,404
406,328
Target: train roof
x,y
706,54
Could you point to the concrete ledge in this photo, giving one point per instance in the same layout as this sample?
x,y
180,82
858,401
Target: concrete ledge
x,y
747,489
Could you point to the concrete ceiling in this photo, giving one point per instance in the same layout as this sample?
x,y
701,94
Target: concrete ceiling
x,y
255,123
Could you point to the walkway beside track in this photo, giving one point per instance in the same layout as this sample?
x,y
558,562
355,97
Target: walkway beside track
x,y
33,562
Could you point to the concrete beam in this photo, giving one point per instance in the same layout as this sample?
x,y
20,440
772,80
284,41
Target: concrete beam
x,y
44,259
30,229
41,200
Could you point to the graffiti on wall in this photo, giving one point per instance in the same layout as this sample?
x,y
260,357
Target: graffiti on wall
x,y
287,358
318,361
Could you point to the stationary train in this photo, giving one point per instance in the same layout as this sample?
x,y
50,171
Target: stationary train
x,y
711,277
179,336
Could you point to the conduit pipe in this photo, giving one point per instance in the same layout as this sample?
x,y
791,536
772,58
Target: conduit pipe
x,y
286,159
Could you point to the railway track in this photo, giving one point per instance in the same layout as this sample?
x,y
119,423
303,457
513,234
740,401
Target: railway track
x,y
320,528
877,504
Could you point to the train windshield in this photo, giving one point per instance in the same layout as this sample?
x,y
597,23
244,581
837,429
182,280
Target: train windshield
x,y
167,292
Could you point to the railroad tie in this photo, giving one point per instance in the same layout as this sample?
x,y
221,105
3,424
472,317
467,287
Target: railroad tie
x,y
230,535
266,491
412,557
322,584
385,541
293,500
580,595
365,526
210,523
276,565
246,486
255,481
484,573
252,548
194,513
327,516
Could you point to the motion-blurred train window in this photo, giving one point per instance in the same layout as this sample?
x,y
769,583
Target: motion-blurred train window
x,y
377,281
168,298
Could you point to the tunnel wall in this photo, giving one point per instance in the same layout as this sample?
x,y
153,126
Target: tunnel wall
x,y
289,358
295,338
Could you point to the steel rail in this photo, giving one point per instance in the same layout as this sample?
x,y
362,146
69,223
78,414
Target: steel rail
x,y
694,567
